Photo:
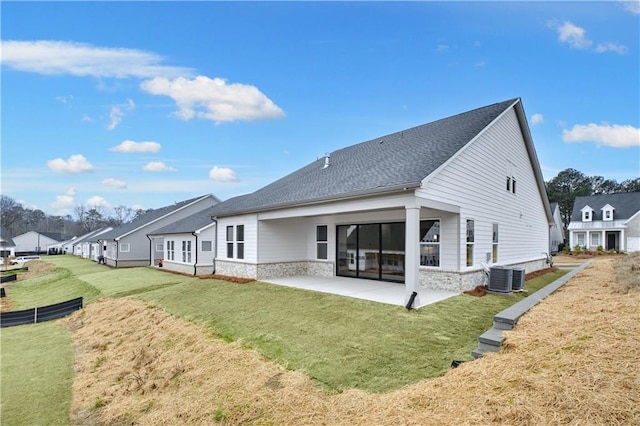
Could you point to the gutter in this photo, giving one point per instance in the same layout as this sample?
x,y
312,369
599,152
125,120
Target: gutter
x,y
150,250
321,200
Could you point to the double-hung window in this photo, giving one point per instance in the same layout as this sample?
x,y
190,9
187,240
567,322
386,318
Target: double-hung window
x,y
171,245
494,250
430,242
321,242
230,242
240,241
186,251
470,241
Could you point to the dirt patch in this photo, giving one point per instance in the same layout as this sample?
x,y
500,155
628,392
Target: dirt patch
x,y
237,280
571,360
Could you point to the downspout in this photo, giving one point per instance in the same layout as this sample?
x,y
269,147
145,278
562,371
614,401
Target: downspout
x,y
214,219
196,250
151,261
117,251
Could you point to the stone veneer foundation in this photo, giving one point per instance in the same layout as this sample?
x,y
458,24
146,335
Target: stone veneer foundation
x,y
462,281
279,269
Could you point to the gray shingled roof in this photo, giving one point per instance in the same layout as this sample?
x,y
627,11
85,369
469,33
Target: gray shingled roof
x,y
6,236
188,224
145,219
399,160
626,204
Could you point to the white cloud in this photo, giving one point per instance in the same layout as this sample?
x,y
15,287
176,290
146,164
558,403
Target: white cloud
x,y
611,47
214,99
65,202
632,6
573,35
442,48
115,116
114,183
64,99
576,37
75,164
222,174
87,119
157,166
97,201
60,57
130,104
132,146
537,119
615,136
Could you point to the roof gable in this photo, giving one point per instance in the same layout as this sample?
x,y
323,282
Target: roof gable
x,y
189,224
384,164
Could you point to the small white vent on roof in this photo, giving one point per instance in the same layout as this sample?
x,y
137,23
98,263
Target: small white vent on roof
x,y
326,161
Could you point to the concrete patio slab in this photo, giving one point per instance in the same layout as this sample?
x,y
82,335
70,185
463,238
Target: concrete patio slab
x,y
377,291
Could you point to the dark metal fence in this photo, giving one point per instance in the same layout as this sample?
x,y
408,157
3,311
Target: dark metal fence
x,y
7,278
44,313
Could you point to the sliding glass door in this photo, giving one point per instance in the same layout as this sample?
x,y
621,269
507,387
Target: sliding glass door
x,y
373,251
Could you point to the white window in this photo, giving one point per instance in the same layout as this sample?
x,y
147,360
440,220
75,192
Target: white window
x,y
511,177
186,251
607,215
321,242
171,245
470,241
494,250
230,242
580,239
430,242
159,247
595,239
206,246
240,241
124,247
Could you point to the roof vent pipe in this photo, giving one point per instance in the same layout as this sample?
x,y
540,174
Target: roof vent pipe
x,y
326,161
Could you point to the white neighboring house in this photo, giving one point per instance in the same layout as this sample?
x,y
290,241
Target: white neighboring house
x,y
556,233
424,207
611,221
187,246
7,245
87,245
37,242
128,244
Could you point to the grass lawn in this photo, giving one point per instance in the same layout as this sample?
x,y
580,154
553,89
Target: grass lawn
x,y
340,342
36,365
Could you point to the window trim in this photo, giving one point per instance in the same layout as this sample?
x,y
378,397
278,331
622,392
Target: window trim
x,y
202,245
470,242
322,243
431,243
495,242
122,247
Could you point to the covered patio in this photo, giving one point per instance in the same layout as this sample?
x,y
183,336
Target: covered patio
x,y
376,291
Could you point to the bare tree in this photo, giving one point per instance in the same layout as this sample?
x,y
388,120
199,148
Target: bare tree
x,y
121,214
10,213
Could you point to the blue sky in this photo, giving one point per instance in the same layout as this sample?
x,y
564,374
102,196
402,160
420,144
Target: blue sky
x,y
146,103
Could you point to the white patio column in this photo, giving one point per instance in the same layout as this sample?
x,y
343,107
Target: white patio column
x,y
412,253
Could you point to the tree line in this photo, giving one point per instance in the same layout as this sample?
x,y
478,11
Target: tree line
x,y
18,219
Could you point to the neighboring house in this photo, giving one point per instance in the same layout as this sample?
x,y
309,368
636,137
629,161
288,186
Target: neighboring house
x,y
556,232
37,242
7,245
87,245
610,221
128,244
425,207
186,246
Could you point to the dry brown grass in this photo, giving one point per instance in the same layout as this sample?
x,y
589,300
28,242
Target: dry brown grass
x,y
628,273
571,360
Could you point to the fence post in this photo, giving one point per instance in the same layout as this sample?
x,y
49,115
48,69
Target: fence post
x,y
35,315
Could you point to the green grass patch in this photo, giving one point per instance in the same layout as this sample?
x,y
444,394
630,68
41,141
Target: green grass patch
x,y
341,342
54,287
36,365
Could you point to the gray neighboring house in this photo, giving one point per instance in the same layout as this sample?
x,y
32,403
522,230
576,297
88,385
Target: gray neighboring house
x,y
87,245
609,220
186,246
556,232
7,246
128,245
423,207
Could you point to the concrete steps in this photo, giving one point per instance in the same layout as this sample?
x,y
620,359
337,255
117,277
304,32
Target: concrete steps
x,y
492,339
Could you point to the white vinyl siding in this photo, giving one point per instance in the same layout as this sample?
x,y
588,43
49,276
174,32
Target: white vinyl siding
x,y
524,227
250,237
